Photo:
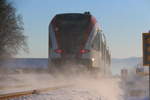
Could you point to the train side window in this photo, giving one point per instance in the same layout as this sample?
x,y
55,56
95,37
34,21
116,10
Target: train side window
x,y
96,43
50,42
100,41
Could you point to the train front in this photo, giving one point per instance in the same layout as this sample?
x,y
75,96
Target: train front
x,y
68,37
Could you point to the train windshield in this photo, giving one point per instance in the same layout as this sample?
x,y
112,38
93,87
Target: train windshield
x,y
71,29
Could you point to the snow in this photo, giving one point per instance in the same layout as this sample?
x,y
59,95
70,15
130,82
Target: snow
x,y
64,94
136,87
82,88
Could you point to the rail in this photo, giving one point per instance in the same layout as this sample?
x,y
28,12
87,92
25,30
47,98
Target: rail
x,y
29,92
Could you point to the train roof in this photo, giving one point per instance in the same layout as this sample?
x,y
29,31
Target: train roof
x,y
81,15
85,13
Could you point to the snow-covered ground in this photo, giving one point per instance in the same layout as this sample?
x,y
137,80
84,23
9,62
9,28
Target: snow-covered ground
x,y
136,87
67,94
17,82
82,88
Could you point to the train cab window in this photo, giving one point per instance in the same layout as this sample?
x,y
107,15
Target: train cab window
x,y
96,43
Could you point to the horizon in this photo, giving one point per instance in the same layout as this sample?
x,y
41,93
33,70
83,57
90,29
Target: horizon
x,y
47,58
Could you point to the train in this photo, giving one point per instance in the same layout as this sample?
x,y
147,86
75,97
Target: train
x,y
77,38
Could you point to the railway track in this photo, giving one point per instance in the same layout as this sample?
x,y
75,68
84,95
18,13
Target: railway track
x,y
8,96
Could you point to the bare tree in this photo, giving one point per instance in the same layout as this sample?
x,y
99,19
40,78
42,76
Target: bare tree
x,y
11,31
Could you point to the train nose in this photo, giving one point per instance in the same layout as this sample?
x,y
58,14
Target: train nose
x,y
69,56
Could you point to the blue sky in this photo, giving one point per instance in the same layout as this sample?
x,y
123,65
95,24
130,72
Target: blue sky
x,y
122,21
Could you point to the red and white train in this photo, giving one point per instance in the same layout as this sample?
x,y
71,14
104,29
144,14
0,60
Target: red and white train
x,y
77,38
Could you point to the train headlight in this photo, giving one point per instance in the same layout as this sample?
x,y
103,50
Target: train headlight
x,y
93,59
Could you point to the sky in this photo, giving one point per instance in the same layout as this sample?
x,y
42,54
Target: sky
x,y
122,21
